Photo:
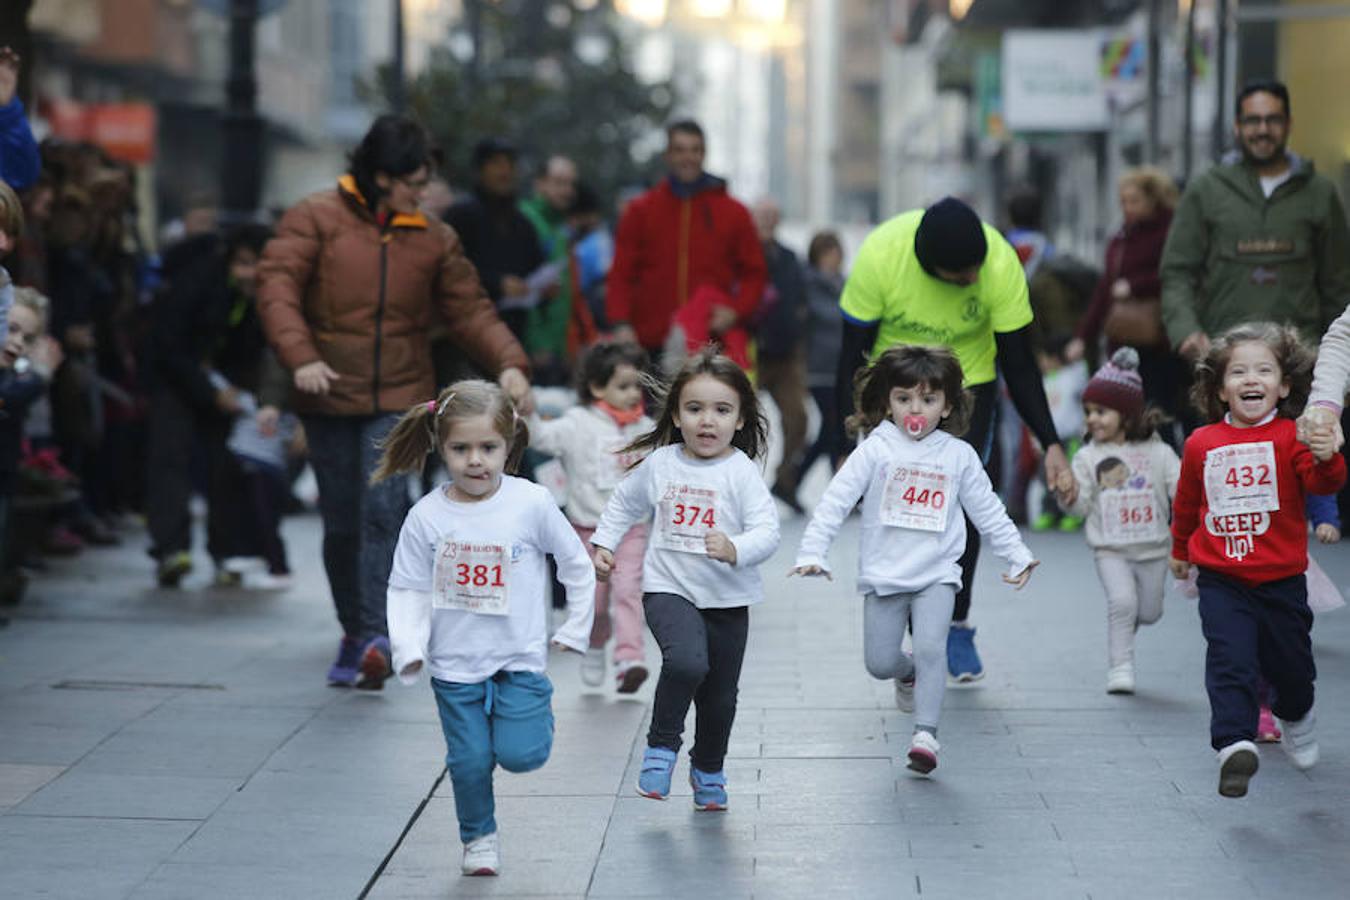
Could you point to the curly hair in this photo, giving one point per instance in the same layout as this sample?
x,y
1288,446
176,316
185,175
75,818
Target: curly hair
x,y
904,366
602,361
1153,183
426,427
1293,356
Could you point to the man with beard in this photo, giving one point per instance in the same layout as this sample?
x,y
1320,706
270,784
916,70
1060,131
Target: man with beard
x,y
1260,236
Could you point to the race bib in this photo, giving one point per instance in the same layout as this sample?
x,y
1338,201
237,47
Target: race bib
x,y
1129,517
685,515
472,577
1240,478
916,497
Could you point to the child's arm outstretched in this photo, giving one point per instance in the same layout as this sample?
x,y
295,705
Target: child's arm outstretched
x,y
845,489
550,436
575,573
630,503
984,508
408,600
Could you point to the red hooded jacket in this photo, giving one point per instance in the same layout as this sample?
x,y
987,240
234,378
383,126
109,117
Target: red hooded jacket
x,y
668,246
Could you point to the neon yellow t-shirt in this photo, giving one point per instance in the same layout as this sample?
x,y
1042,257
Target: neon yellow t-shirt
x,y
888,286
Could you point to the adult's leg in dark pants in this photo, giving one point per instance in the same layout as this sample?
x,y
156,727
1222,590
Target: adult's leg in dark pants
x,y
169,464
383,508
335,454
682,635
715,700
266,492
229,530
823,445
978,436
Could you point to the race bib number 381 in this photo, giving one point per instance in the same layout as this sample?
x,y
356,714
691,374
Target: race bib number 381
x,y
472,577
685,515
1240,478
916,496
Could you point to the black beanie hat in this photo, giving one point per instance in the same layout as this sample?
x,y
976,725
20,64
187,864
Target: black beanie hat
x,y
950,237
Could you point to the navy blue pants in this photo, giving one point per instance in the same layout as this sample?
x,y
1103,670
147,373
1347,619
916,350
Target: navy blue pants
x,y
1254,631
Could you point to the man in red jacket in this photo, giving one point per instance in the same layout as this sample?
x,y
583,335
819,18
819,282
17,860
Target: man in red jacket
x,y
684,234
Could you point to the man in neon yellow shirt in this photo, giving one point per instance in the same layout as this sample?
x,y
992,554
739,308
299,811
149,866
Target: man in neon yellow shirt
x,y
942,277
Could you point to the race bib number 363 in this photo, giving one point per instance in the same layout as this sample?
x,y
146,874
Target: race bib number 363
x,y
916,496
1130,517
472,577
685,515
1240,478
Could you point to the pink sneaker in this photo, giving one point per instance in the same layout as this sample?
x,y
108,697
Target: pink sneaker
x,y
1267,732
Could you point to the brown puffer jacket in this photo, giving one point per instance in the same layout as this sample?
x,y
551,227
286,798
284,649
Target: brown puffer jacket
x,y
336,287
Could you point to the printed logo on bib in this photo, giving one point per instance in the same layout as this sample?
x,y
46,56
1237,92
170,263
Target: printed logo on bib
x,y
1240,478
472,577
685,515
916,496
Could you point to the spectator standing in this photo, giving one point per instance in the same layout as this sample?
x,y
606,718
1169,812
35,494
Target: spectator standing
x,y
19,160
593,250
555,189
825,329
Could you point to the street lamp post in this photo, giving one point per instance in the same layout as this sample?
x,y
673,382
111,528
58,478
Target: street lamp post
x,y
398,92
241,184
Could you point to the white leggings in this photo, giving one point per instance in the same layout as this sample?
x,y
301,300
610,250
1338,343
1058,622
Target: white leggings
x,y
929,615
1134,597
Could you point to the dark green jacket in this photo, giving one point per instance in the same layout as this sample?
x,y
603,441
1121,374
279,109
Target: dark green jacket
x,y
1235,256
547,328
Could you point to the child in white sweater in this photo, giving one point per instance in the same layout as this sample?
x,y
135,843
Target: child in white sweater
x,y
589,440
1127,477
918,483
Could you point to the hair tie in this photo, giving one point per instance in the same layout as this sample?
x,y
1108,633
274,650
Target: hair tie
x,y
431,407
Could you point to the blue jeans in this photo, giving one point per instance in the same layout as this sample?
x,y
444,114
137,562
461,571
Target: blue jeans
x,y
361,521
505,721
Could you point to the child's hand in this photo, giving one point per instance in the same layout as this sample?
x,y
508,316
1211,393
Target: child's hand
x,y
1327,533
720,547
1020,580
1181,568
604,564
556,645
1065,483
808,571
1323,444
411,669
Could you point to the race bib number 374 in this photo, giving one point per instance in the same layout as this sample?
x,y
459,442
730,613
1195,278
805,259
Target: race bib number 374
x,y
685,515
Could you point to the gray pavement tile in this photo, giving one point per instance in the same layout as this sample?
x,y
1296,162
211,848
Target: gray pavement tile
x,y
118,795
176,881
826,776
320,842
18,781
789,876
281,793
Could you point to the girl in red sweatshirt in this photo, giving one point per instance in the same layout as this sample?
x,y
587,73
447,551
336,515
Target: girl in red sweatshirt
x,y
1239,517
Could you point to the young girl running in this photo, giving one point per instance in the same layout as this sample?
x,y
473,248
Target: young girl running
x,y
1239,517
916,479
1127,477
469,596
714,523
588,439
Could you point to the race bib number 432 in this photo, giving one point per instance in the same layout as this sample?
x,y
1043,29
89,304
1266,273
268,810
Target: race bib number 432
x,y
685,515
916,496
472,577
1240,478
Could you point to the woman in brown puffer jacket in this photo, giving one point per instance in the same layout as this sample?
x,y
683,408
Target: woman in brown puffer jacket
x,y
348,290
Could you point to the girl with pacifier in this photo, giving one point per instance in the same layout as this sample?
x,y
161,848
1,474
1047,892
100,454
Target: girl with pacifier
x,y
469,596
713,522
916,478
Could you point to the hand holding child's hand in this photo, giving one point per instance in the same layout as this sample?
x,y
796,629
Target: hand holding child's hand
x,y
1181,568
720,547
1327,533
1020,580
604,564
808,571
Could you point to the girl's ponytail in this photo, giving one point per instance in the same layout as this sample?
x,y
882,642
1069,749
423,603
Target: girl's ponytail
x,y
406,446
520,438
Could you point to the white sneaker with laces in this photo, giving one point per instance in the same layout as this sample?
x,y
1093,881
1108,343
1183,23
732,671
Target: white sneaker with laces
x,y
1299,741
1120,679
481,856
593,667
1238,762
923,751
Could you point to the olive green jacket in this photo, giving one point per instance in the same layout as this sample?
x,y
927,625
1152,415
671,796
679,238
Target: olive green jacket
x,y
1235,256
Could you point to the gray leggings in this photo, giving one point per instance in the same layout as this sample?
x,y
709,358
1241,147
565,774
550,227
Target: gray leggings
x,y
1134,597
929,615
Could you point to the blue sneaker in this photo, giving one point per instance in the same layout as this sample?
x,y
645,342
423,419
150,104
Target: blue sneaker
x,y
654,780
962,661
375,667
710,790
348,663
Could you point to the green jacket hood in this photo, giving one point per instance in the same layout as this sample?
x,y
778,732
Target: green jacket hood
x,y
1237,174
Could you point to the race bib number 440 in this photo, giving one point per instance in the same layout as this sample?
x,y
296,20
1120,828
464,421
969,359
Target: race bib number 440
x,y
685,515
916,496
1240,478
472,577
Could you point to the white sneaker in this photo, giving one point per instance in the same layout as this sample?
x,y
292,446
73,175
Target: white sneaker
x,y
269,582
481,856
923,751
593,667
1300,742
1120,679
1238,762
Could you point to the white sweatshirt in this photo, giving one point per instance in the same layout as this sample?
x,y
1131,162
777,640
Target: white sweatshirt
x,y
911,538
587,441
685,497
1331,375
1125,494
469,588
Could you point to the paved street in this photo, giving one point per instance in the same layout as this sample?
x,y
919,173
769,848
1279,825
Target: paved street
x,y
182,744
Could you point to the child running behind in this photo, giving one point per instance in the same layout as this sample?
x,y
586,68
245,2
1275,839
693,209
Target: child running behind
x,y
1127,477
714,523
469,596
588,440
1239,517
918,483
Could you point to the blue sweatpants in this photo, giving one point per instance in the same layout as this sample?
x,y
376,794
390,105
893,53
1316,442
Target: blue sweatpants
x,y
1254,631
505,721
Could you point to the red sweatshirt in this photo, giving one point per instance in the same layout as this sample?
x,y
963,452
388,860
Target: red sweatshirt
x,y
1246,485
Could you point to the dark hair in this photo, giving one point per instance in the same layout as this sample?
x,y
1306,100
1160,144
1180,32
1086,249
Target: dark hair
x,y
685,126
1263,86
585,201
395,145
1294,358
1025,209
1142,426
905,366
489,147
425,428
602,361
247,237
753,435
821,243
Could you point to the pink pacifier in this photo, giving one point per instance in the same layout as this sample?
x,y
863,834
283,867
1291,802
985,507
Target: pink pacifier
x,y
915,425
